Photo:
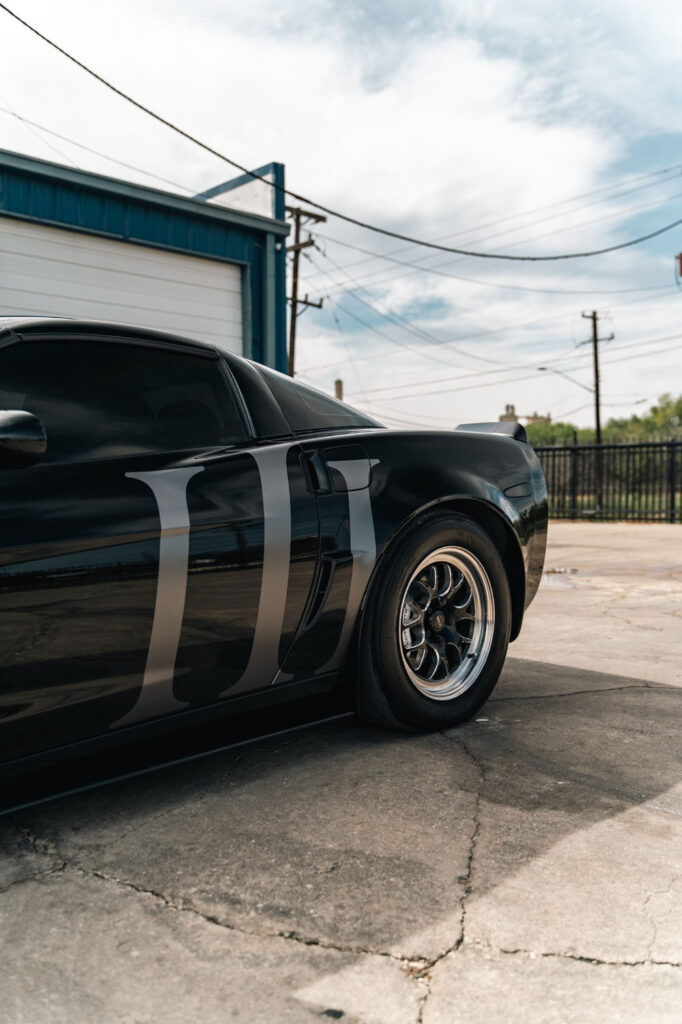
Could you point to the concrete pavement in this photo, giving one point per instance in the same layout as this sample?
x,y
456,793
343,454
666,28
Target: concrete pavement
x,y
525,867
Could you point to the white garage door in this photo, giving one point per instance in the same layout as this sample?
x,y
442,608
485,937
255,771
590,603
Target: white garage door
x,y
51,272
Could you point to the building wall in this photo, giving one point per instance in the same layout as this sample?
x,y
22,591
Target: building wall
x,y
208,254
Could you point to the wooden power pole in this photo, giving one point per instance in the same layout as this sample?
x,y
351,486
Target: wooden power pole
x,y
299,217
594,317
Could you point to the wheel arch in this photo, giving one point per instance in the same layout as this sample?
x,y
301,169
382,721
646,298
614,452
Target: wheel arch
x,y
495,525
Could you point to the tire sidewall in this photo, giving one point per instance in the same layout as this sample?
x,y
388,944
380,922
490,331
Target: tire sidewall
x,y
380,644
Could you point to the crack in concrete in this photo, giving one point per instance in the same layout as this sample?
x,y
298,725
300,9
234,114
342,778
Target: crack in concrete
x,y
464,880
414,966
41,847
32,877
417,968
289,935
595,961
652,920
577,693
149,820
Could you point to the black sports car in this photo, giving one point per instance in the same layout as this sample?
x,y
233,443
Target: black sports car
x,y
181,527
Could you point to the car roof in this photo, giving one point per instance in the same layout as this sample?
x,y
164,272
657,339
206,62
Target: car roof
x,y
26,326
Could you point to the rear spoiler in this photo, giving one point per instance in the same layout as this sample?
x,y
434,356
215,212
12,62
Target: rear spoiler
x,y
514,430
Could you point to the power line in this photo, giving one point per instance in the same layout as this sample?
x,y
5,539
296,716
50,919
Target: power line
x,y
436,271
422,421
388,256
398,319
506,328
395,318
540,209
519,366
375,330
32,128
95,152
319,206
386,337
513,380
571,412
350,354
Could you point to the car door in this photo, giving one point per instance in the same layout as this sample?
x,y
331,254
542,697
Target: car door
x,y
132,557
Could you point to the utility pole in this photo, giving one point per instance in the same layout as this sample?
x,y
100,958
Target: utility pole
x,y
299,217
594,317
338,389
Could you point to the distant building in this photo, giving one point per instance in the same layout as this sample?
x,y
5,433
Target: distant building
x,y
510,415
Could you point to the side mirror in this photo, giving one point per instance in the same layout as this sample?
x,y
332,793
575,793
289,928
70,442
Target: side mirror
x,y
22,439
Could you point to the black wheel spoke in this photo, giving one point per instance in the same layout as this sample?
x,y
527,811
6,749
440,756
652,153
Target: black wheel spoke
x,y
447,583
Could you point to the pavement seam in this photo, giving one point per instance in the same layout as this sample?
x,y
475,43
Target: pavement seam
x,y
464,880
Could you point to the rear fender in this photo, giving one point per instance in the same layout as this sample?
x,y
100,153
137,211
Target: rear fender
x,y
494,524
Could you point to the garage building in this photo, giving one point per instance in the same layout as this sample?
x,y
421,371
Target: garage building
x,y
74,243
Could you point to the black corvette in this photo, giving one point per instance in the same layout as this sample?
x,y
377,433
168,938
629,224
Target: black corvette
x,y
183,530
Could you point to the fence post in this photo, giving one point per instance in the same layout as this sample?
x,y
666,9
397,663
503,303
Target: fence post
x,y
671,480
574,484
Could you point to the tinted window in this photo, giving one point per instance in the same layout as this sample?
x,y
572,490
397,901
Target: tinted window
x,y
308,409
99,400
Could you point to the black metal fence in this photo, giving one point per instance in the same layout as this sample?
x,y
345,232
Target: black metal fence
x,y
614,481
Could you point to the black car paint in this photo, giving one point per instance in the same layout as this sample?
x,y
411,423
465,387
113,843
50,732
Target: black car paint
x,y
79,559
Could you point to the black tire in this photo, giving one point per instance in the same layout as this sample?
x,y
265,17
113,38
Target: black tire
x,y
394,690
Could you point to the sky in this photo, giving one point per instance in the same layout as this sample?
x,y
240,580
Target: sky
x,y
536,128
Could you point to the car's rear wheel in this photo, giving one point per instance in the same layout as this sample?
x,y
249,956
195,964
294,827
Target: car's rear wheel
x,y
436,627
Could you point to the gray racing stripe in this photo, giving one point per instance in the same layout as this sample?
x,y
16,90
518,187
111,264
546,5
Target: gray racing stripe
x,y
169,487
357,474
264,659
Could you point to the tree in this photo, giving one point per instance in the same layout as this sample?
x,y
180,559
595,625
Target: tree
x,y
663,422
550,433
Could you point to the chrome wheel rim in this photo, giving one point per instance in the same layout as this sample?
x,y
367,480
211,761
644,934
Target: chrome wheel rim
x,y
446,623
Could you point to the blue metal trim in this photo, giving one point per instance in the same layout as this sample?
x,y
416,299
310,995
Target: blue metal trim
x,y
280,276
231,183
280,307
58,175
280,196
216,258
247,319
269,293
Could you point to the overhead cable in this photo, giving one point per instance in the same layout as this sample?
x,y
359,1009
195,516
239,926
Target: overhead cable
x,y
506,328
400,322
95,152
320,206
512,380
666,173
437,272
517,366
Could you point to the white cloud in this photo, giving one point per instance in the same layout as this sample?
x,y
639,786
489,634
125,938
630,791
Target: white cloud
x,y
434,120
